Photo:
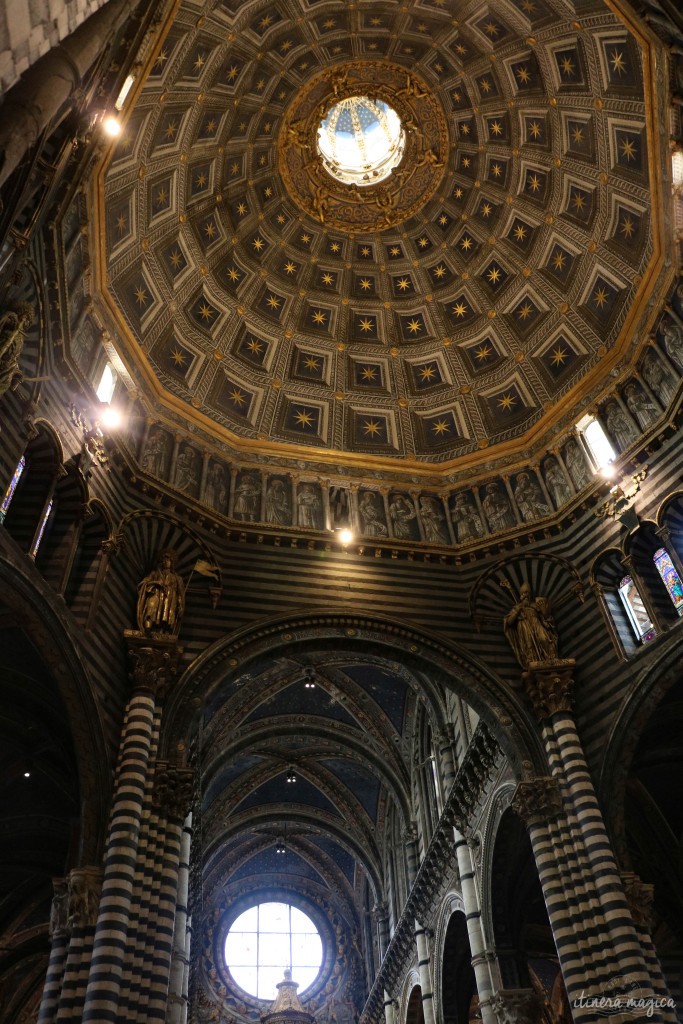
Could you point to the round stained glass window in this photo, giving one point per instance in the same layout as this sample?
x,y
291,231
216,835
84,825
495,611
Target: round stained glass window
x,y
361,140
265,940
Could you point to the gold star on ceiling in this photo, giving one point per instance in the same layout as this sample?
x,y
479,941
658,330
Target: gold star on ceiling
x,y
328,279
200,180
496,170
485,85
303,418
273,301
232,73
366,324
600,297
523,75
627,227
403,284
290,267
162,197
459,309
439,271
237,397
258,243
334,246
491,29
423,242
465,128
559,259
525,311
535,129
368,373
365,250
371,428
200,60
210,127
265,21
365,283
507,401
483,352
559,356
441,427
121,223
414,326
140,295
233,274
466,243
267,192
255,346
534,182
176,259
311,363
171,129
618,63
494,275
318,316
427,372
443,220
520,232
205,311
466,161
495,128
242,209
486,209
578,202
161,58
458,192
178,357
577,136
210,229
567,66
628,149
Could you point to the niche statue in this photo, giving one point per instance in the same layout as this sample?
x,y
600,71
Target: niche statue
x,y
161,598
530,629
13,326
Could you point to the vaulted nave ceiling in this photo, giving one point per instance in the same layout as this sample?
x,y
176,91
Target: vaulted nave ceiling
x,y
454,312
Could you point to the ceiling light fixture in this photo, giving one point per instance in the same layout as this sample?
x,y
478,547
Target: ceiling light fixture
x,y
280,845
345,536
291,775
309,676
112,126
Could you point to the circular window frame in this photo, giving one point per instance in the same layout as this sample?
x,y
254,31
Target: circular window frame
x,y
274,895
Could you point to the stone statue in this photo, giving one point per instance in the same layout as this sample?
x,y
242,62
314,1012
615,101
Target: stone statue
x,y
497,508
278,508
340,508
402,511
13,326
161,598
623,432
308,504
466,519
216,488
433,520
154,457
642,408
83,898
557,484
247,494
186,476
576,464
529,498
371,516
659,378
59,908
673,343
530,629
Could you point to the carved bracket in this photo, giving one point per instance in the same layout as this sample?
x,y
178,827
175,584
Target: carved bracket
x,y
549,686
173,790
537,800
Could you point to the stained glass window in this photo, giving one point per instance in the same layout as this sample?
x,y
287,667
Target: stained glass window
x,y
41,529
635,610
266,939
671,579
9,493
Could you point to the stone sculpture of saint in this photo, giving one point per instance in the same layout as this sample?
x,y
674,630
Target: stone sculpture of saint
x,y
432,521
402,512
497,508
556,483
216,489
466,519
371,515
186,470
673,343
530,629
529,498
247,494
576,464
13,326
642,408
278,508
308,504
659,378
161,598
623,431
154,456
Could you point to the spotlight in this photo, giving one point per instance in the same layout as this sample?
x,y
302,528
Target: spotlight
x,y
309,676
345,536
291,775
28,768
111,418
112,126
608,470
280,845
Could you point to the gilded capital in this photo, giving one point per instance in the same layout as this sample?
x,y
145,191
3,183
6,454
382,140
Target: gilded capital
x,y
550,687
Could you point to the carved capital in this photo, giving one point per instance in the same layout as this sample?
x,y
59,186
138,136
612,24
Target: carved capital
x,y
409,833
640,896
517,1006
83,901
173,788
549,687
537,800
153,663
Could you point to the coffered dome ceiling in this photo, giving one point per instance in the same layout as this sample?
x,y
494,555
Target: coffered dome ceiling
x,y
470,299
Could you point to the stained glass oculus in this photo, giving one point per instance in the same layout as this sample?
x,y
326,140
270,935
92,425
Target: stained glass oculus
x,y
266,939
361,140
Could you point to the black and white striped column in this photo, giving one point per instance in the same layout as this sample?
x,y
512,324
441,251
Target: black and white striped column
x,y
177,996
425,973
58,952
481,961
